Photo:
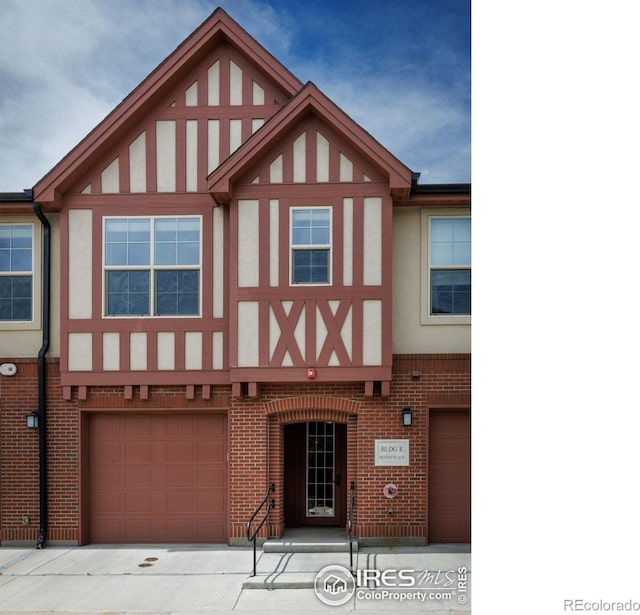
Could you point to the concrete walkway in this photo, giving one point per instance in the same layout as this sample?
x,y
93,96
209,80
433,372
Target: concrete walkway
x,y
182,580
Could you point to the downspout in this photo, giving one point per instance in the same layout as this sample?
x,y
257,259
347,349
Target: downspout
x,y
42,375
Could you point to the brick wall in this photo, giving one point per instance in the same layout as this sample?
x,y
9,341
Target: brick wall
x,y
19,457
255,443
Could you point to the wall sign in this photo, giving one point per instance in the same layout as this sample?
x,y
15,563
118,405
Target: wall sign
x,y
390,491
392,453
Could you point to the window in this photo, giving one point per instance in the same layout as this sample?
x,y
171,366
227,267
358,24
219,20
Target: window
x,y
152,266
311,245
450,266
16,272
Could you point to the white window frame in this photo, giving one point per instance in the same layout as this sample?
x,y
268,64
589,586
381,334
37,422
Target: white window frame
x,y
297,247
426,318
35,275
151,268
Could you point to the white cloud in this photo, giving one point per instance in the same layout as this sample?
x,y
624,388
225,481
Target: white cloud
x,y
424,126
65,64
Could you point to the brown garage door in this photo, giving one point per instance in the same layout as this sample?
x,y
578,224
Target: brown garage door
x,y
449,476
157,478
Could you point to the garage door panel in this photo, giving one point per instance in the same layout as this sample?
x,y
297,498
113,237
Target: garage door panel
x,y
157,478
105,453
184,426
451,474
137,452
208,500
108,528
180,502
138,426
180,477
107,478
180,452
213,479
139,477
103,429
137,502
180,529
451,500
106,501
452,451
449,506
136,530
451,527
210,454
450,424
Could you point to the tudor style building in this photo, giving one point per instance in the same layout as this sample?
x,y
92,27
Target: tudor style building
x,y
229,284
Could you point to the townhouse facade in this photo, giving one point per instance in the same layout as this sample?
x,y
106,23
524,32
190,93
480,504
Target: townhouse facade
x,y
228,285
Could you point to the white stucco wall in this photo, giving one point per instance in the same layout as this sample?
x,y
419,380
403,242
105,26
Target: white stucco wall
x,y
409,256
24,340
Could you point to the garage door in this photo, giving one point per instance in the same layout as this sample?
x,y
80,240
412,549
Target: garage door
x,y
157,478
449,509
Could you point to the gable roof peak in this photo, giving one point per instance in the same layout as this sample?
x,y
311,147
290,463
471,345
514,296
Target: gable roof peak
x,y
309,98
61,177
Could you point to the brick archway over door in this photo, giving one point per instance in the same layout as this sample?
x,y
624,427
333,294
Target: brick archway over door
x,y
301,410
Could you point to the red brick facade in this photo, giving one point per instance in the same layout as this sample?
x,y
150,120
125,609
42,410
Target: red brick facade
x,y
422,382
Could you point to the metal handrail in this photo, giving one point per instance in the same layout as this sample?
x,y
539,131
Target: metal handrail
x,y
252,537
350,523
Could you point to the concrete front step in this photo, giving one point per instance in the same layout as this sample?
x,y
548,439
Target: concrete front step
x,y
280,545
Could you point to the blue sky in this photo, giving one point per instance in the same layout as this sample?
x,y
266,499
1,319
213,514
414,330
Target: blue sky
x,y
400,69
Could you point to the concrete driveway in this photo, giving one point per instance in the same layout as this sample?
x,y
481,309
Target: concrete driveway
x,y
183,580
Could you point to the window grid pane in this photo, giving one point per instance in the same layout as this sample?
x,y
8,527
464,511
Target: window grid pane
x,y
450,241
16,269
162,260
127,242
310,266
127,293
177,241
320,469
310,227
177,293
16,248
311,245
449,262
15,297
451,291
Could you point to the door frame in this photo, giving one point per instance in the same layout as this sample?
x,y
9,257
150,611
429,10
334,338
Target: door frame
x,y
295,476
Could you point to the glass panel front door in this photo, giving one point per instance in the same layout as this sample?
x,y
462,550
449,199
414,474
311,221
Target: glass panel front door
x,y
321,470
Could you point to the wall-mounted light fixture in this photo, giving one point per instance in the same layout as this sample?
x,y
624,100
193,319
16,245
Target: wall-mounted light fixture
x,y
32,420
8,369
406,417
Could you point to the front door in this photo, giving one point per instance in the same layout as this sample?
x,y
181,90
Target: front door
x,y
315,474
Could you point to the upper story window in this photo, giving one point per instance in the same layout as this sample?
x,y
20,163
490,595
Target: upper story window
x,y
311,245
16,272
152,266
450,266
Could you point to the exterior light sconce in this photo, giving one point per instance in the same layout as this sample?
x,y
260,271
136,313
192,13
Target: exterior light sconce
x,y
407,417
32,420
